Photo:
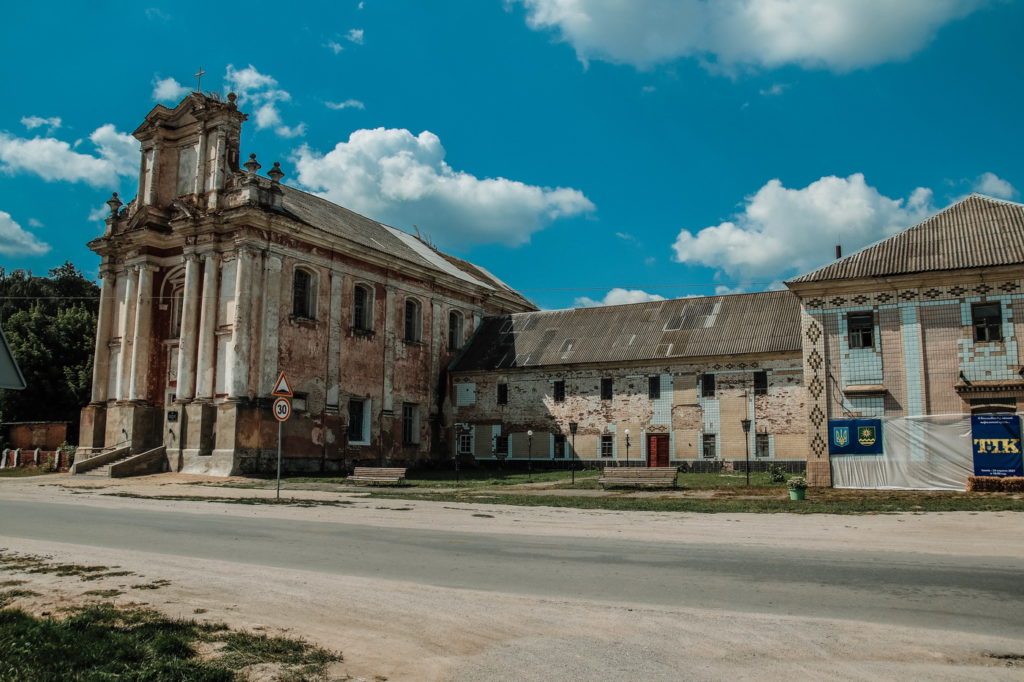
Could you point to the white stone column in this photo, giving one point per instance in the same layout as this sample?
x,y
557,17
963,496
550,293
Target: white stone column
x,y
101,356
271,323
186,389
126,329
206,364
390,315
335,307
141,360
241,337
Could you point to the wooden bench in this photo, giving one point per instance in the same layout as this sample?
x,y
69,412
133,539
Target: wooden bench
x,y
373,475
664,477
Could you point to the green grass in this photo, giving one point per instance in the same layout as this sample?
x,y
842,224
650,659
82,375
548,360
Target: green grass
x,y
817,502
22,472
470,478
103,642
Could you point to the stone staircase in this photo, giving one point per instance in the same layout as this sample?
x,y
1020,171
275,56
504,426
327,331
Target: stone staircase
x,y
120,462
103,471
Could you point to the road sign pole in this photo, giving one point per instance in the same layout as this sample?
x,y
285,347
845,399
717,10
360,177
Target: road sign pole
x,y
279,459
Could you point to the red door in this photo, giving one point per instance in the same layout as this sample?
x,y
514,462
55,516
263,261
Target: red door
x,y
657,450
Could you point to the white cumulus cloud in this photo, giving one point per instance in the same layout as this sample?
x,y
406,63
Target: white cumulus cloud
x,y
783,231
117,154
835,34
404,180
334,46
33,122
261,91
619,296
16,241
355,35
168,90
993,185
347,104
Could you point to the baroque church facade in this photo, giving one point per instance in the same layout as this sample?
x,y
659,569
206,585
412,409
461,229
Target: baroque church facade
x,y
216,278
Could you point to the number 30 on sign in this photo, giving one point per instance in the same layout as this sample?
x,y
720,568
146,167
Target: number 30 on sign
x,y
282,409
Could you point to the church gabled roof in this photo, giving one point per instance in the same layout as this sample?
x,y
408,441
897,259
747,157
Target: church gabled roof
x,y
976,232
765,322
339,221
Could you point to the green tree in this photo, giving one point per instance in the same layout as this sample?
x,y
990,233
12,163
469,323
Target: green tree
x,y
50,323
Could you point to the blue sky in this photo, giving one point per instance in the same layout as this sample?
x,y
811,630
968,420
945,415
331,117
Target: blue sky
x,y
582,150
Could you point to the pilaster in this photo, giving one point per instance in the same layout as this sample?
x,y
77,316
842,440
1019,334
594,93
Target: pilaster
x,y
101,355
241,338
206,363
189,322
140,363
271,323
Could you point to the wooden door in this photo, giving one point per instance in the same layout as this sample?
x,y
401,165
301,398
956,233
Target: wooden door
x,y
657,450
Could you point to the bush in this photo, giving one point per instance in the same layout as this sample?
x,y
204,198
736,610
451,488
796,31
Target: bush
x,y
776,474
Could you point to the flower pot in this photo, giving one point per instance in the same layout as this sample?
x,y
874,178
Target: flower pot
x,y
797,493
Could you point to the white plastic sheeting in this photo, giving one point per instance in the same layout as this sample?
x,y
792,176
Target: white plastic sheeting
x,y
930,452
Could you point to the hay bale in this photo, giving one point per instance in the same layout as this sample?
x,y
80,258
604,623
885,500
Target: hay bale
x,y
995,484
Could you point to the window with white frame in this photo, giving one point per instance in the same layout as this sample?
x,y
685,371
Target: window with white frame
x,y
708,444
762,446
607,445
359,421
465,442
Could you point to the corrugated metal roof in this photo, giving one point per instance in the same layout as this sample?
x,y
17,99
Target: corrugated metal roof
x,y
341,222
976,232
766,322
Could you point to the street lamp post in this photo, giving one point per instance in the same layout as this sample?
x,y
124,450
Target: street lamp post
x,y
627,447
572,431
529,456
746,446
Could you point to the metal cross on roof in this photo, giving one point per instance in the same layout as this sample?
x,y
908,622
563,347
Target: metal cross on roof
x,y
199,79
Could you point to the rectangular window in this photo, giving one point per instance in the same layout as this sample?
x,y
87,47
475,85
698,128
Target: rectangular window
x,y
762,449
607,386
607,445
559,391
300,295
861,328
503,394
410,423
356,421
709,446
465,443
360,308
501,445
760,383
654,388
988,321
707,385
559,447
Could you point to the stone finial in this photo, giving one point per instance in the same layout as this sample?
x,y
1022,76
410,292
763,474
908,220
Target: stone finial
x,y
232,97
252,165
275,174
115,204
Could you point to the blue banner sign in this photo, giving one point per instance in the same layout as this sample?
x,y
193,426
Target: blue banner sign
x,y
855,436
996,445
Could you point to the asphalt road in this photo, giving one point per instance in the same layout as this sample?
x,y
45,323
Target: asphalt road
x,y
977,595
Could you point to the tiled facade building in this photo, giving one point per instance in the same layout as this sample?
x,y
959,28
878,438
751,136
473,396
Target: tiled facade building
x,y
215,279
927,322
659,383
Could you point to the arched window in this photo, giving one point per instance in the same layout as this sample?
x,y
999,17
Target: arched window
x,y
362,308
413,320
455,330
303,294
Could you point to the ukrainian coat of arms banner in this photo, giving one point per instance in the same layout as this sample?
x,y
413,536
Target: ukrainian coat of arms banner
x,y
855,436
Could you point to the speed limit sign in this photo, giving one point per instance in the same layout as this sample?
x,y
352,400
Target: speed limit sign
x,y
282,409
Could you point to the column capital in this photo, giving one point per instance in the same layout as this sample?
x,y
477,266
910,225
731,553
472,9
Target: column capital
x,y
190,256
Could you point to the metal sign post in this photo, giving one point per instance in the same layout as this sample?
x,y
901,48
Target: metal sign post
x,y
282,411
